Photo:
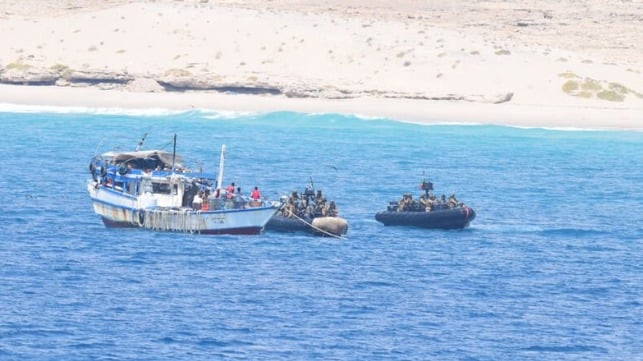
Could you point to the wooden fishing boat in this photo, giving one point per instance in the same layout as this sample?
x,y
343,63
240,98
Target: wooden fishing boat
x,y
151,189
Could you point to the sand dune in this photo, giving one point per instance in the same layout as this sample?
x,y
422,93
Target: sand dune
x,y
569,63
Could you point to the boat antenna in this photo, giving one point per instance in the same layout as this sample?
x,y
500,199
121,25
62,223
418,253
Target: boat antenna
x,y
426,186
174,154
221,162
140,142
98,146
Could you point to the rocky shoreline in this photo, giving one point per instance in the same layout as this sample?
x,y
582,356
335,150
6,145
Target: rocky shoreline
x,y
107,80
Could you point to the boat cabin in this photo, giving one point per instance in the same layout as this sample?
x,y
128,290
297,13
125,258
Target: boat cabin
x,y
151,174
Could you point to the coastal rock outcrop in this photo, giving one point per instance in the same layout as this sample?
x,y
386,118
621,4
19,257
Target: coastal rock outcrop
x,y
98,76
180,82
183,82
145,85
27,75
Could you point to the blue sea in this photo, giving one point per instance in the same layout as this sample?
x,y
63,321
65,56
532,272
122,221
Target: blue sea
x,y
551,268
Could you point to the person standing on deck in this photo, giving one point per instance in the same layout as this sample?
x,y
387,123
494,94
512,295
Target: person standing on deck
x,y
204,199
230,191
255,195
197,201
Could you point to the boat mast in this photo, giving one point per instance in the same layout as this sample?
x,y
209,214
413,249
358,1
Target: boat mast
x,y
174,155
221,161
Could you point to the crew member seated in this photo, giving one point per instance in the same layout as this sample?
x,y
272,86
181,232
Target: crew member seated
x,y
405,203
289,209
427,202
320,208
332,209
452,201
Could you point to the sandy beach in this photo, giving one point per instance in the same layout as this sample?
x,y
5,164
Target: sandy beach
x,y
576,64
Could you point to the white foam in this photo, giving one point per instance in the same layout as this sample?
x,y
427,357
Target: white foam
x,y
19,108
223,114
569,129
140,112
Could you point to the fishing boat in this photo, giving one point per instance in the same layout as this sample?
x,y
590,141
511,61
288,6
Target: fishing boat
x,y
309,213
427,212
152,189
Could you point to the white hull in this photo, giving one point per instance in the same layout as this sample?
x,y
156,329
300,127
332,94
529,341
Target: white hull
x,y
119,209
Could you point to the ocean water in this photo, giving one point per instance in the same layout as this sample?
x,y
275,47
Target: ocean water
x,y
551,269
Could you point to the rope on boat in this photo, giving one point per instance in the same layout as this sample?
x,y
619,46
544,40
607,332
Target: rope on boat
x,y
317,228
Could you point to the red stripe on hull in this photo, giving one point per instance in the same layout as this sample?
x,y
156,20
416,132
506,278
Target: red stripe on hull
x,y
244,231
113,224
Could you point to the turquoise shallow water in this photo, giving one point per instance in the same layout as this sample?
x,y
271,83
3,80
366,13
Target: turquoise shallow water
x,y
552,268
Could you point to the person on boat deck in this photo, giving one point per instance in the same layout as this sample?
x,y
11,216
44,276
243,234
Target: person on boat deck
x,y
204,201
427,202
405,203
333,211
289,209
230,191
197,201
255,195
309,193
452,201
320,208
238,200
306,208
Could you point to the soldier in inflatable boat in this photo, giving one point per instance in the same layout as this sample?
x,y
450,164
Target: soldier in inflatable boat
x,y
427,201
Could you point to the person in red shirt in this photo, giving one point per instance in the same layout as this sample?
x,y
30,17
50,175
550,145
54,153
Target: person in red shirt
x,y
255,194
230,191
